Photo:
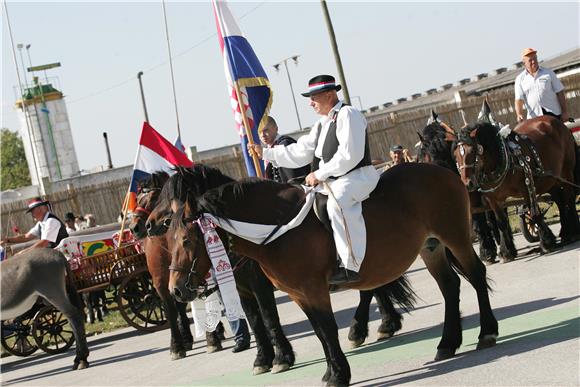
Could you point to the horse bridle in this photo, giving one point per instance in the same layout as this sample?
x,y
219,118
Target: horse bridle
x,y
192,272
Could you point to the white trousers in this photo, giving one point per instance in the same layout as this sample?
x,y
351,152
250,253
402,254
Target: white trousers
x,y
347,194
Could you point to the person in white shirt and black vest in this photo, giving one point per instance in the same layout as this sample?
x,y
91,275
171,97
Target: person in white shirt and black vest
x,y
539,90
338,150
270,137
49,229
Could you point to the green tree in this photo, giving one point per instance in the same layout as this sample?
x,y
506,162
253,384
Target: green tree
x,y
13,164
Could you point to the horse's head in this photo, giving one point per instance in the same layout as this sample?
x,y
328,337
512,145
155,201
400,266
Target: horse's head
x,y
435,143
147,199
468,154
190,262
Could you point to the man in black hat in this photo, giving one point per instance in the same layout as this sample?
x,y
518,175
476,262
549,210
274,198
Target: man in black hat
x,y
337,148
48,229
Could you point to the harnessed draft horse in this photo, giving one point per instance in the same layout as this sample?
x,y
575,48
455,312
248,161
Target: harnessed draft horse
x,y
301,261
158,258
436,146
539,157
44,272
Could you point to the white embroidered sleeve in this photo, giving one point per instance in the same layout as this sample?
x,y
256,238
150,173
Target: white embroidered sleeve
x,y
294,155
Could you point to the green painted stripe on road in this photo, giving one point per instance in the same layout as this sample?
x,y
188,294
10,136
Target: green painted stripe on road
x,y
556,324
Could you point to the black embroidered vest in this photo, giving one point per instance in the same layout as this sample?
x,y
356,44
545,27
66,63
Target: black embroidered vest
x,y
61,232
330,147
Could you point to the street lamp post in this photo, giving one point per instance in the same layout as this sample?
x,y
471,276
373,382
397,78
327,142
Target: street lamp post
x,y
139,75
277,67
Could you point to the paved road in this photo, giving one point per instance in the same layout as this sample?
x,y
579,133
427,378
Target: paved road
x,y
536,301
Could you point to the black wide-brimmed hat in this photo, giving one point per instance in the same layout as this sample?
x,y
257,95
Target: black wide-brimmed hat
x,y
397,148
321,83
36,202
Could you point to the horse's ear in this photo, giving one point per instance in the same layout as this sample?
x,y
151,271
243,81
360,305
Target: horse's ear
x,y
420,136
433,118
473,133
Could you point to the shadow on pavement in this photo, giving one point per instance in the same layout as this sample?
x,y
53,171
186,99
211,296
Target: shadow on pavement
x,y
507,345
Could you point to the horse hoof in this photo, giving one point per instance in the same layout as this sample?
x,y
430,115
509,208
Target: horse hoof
x,y
259,370
444,354
507,259
356,343
188,346
177,355
214,348
81,365
486,341
384,335
489,262
277,368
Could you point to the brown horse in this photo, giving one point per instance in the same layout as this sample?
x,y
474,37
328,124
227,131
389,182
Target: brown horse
x,y
437,141
274,351
540,157
411,203
158,261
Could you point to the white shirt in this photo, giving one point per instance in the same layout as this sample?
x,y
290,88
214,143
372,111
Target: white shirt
x,y
350,131
47,230
539,92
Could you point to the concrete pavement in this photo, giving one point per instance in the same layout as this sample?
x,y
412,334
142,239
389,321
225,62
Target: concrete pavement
x,y
535,299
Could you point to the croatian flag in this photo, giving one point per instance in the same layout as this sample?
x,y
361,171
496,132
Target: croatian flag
x,y
155,154
242,66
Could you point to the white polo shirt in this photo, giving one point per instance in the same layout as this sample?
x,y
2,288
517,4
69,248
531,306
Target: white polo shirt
x,y
539,92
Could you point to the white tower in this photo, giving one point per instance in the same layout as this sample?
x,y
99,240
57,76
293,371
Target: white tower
x,y
47,135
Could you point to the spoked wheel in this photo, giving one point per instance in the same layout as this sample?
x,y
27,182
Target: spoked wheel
x,y
140,305
528,227
52,331
17,337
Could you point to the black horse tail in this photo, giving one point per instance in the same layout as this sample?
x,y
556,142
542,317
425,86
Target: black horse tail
x,y
577,167
401,293
480,275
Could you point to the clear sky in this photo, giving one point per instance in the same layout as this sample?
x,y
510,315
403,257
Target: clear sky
x,y
389,50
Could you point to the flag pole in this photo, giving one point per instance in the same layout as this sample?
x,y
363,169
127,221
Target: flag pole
x,y
248,129
125,211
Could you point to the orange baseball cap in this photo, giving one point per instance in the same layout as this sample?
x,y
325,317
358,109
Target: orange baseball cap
x,y
528,51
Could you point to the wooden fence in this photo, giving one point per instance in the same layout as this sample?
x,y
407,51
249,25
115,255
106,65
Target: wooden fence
x,y
401,128
105,200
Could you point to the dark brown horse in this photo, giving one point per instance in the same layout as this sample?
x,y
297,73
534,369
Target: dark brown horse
x,y
274,351
411,203
540,157
158,261
436,146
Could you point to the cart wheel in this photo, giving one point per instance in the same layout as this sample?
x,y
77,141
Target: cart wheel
x,y
17,337
140,305
52,331
528,227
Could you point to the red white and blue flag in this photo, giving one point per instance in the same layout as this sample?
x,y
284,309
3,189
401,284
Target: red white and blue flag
x,y
241,65
155,154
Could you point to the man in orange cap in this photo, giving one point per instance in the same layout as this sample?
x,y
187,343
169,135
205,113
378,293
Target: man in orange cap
x,y
539,90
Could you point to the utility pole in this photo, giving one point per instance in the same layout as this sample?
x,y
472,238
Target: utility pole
x,y
277,67
335,50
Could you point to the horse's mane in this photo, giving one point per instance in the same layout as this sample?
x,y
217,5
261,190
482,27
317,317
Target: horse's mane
x,y
156,180
486,135
434,143
192,182
217,201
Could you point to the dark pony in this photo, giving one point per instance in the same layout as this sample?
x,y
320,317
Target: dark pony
x,y
539,157
399,217
436,146
158,261
274,351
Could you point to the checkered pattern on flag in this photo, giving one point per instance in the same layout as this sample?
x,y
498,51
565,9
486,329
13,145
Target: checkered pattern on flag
x,y
242,66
